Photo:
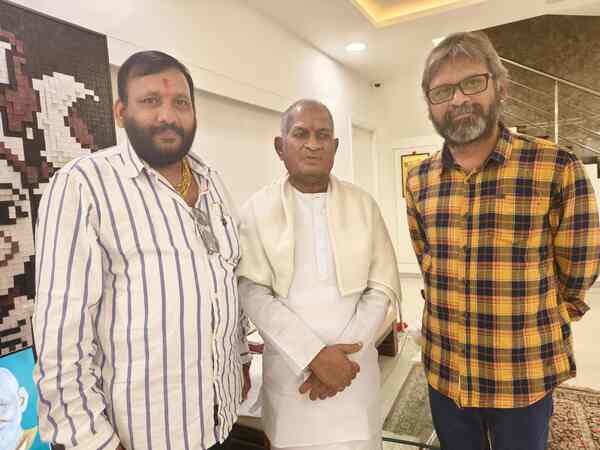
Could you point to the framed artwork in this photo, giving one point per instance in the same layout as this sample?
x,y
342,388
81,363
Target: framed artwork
x,y
407,162
18,403
55,105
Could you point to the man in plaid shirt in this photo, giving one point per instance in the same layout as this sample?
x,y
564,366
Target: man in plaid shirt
x,y
505,229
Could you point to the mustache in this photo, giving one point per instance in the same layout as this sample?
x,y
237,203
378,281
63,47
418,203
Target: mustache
x,y
167,127
473,108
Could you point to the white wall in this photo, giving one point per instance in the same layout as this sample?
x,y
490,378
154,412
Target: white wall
x,y
231,50
364,159
404,127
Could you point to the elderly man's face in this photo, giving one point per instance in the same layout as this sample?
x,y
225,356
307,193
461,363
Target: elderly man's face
x,y
159,117
464,119
308,149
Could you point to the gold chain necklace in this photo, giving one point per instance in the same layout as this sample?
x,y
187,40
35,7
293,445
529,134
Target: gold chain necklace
x,y
186,179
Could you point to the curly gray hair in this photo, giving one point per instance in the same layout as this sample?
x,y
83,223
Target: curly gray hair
x,y
473,45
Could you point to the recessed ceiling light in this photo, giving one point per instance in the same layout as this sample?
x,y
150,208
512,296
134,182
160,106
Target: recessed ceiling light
x,y
356,47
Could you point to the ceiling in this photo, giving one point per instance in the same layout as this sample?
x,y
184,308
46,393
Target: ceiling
x,y
399,33
383,13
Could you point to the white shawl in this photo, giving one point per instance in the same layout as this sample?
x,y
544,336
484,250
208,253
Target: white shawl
x,y
362,248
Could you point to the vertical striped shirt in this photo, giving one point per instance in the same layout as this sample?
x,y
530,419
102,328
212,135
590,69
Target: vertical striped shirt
x,y
137,326
507,253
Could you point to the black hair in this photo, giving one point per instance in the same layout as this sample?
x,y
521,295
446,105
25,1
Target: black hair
x,y
148,63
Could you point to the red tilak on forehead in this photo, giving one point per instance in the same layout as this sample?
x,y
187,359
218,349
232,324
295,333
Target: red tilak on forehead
x,y
167,84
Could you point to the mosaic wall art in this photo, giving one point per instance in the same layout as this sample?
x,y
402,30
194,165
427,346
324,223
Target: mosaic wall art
x,y
55,104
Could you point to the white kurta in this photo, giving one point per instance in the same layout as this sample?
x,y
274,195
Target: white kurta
x,y
295,328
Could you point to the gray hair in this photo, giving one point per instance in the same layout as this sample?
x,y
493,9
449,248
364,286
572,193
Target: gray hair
x,y
473,45
288,115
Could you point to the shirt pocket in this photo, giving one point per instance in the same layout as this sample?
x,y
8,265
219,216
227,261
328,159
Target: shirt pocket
x,y
225,230
521,219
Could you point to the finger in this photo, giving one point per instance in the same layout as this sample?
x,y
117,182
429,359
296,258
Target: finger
x,y
323,395
314,394
350,348
305,387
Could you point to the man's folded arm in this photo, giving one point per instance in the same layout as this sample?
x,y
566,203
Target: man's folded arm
x,y
576,239
368,318
293,338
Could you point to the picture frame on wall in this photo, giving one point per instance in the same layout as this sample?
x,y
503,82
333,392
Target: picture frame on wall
x,y
407,162
18,403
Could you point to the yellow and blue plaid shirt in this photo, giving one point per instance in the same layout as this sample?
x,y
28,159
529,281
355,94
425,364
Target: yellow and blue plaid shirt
x,y
507,253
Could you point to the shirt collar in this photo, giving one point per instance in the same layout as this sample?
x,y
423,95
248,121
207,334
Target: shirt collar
x,y
500,154
132,164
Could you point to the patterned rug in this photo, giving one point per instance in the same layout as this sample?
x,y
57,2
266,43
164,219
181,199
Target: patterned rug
x,y
410,415
576,421
575,424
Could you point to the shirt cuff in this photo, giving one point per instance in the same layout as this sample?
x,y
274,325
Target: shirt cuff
x,y
310,349
576,309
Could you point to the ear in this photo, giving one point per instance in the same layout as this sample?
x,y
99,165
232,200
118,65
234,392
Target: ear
x,y
336,142
503,90
278,143
23,398
119,110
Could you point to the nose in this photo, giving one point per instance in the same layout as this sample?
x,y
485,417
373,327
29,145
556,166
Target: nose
x,y
458,98
166,114
312,143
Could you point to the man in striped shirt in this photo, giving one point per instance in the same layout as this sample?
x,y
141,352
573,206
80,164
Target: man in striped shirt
x,y
137,321
505,229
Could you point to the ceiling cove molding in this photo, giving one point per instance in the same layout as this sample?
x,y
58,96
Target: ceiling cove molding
x,y
384,13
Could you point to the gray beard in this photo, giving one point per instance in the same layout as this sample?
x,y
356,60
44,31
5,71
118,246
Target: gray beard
x,y
471,129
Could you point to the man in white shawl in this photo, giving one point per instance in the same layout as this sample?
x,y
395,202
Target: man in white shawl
x,y
317,275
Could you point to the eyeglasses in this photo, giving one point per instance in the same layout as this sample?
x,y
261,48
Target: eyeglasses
x,y
204,229
469,86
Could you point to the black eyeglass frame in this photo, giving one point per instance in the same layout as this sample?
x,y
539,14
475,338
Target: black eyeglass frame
x,y
458,85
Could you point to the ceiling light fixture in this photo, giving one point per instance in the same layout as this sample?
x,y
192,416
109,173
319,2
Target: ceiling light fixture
x,y
356,47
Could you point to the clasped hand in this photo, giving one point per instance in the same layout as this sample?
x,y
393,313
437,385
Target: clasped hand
x,y
332,371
